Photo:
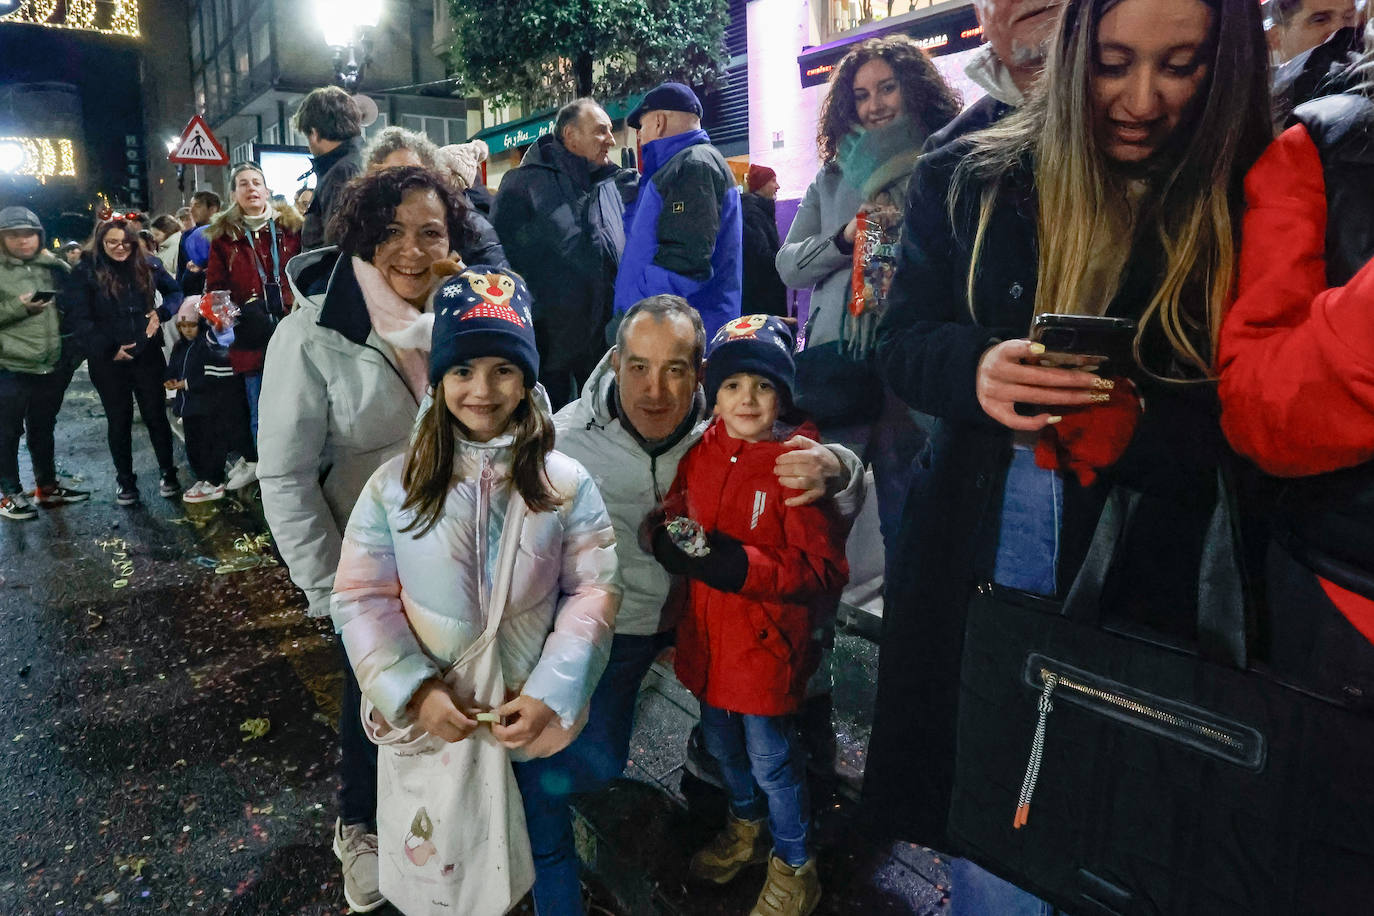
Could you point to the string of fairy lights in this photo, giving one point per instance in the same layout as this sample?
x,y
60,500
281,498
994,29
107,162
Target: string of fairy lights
x,y
38,157
108,17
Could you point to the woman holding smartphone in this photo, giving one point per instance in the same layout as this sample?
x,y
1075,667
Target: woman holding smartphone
x,y
33,373
1113,191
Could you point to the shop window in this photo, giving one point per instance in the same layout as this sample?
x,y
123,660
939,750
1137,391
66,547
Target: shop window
x,y
375,127
847,15
262,41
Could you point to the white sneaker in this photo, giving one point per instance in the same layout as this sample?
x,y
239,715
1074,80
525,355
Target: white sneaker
x,y
241,474
357,850
202,491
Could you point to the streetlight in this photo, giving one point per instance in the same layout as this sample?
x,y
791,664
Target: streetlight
x,y
347,27
12,157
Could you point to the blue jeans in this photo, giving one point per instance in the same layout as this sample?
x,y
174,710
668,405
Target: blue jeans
x,y
761,753
1032,511
252,384
596,757
978,892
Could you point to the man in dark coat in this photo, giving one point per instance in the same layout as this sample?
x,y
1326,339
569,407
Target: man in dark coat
x,y
764,292
332,126
559,217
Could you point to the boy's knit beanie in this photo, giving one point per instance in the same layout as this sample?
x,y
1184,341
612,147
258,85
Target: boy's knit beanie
x,y
483,311
761,344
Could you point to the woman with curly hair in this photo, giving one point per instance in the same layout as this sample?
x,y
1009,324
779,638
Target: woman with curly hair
x,y
349,368
885,98
396,146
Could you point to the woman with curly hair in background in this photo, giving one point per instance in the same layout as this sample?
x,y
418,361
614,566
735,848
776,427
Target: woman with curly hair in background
x,y
885,98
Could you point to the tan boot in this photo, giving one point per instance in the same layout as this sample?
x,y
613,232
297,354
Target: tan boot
x,y
789,891
741,843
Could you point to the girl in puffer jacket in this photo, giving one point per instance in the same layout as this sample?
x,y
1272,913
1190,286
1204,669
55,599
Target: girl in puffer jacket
x,y
423,556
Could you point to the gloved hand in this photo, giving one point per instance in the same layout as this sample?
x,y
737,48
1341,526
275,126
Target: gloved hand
x,y
725,568
1088,440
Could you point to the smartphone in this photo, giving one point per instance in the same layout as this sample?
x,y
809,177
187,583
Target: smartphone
x,y
43,295
1067,339
1086,335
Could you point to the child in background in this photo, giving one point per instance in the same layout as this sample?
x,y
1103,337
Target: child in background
x,y
425,554
203,381
755,568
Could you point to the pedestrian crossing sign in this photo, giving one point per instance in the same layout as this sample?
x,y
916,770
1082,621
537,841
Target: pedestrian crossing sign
x,y
198,146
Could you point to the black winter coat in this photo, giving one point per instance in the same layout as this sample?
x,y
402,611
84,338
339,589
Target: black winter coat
x,y
205,369
100,325
334,169
929,349
561,224
764,292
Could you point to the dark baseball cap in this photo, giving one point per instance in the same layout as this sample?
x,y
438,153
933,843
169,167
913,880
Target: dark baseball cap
x,y
665,97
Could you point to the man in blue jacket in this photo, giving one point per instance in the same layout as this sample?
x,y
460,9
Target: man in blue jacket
x,y
684,232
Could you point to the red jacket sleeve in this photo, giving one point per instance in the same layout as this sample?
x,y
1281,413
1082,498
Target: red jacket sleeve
x,y
810,563
217,266
1296,358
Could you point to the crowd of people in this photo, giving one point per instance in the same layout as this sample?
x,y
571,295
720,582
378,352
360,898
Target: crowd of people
x,y
1102,341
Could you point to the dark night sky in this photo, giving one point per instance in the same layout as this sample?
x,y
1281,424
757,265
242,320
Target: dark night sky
x,y
105,70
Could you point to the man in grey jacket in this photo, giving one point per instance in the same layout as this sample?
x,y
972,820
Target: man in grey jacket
x,y
640,412
560,218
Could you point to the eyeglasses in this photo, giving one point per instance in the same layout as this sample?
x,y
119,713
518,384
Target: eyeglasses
x,y
111,243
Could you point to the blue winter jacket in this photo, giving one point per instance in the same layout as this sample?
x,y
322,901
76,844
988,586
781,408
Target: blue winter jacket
x,y
684,233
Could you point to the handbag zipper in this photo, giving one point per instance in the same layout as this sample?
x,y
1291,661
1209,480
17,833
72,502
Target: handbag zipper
x,y
1052,680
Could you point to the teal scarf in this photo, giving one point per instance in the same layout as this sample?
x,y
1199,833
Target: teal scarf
x,y
882,158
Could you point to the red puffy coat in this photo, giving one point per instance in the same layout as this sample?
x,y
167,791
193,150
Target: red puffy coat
x,y
1296,358
231,267
752,652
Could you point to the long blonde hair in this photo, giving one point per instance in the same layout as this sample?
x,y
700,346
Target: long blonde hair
x,y
1191,206
428,469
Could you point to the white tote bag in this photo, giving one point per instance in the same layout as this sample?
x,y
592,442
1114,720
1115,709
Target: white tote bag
x,y
451,836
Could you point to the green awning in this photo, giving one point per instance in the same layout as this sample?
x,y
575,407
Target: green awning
x,y
526,130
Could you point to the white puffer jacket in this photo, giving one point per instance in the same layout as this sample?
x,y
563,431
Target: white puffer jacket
x,y
408,606
334,407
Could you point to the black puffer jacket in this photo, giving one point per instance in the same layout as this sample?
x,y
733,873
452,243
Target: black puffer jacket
x,y
100,325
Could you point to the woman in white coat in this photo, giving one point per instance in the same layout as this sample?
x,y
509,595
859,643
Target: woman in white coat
x,y
348,369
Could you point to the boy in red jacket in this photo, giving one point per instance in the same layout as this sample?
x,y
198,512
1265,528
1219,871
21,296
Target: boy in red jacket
x,y
755,569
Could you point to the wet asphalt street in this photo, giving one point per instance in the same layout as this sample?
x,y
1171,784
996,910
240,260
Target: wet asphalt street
x,y
169,740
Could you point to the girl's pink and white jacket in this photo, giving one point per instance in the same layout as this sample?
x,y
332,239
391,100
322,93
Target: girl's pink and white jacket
x,y
406,607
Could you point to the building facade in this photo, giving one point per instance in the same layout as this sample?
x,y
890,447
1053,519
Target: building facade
x,y
82,89
252,61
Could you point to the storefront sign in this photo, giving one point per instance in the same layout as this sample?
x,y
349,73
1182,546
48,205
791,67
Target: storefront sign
x,y
942,33
515,134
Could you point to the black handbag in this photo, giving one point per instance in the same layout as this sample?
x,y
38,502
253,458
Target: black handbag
x,y
835,389
1112,771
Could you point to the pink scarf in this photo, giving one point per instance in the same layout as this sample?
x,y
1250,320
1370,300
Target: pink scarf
x,y
396,321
